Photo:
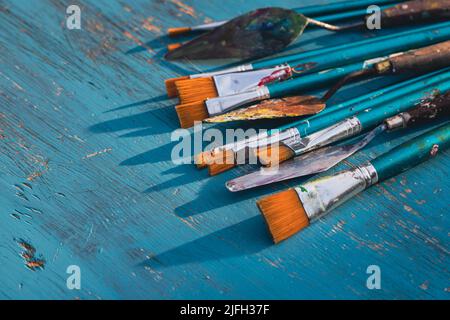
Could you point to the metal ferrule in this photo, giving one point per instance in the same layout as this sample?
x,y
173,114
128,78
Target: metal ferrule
x,y
398,121
241,68
208,26
233,83
320,196
344,129
260,140
290,134
220,105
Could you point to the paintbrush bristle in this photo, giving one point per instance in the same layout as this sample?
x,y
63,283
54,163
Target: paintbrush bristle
x,y
197,89
284,214
221,162
173,46
273,155
188,113
170,86
207,157
173,32
201,159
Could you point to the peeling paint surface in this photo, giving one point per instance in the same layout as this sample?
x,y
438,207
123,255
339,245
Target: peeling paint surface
x,y
86,177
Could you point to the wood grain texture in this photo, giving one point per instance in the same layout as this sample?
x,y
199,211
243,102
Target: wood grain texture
x,y
86,177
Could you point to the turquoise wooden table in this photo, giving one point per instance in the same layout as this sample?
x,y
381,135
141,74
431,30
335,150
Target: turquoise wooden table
x,y
87,179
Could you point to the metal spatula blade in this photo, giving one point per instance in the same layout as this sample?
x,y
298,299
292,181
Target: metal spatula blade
x,y
310,163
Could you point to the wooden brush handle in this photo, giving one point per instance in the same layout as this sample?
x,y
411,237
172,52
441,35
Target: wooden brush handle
x,y
415,11
439,107
419,60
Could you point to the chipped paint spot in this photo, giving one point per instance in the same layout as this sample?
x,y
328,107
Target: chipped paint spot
x,y
29,255
184,8
410,210
434,150
148,25
38,173
137,41
425,285
94,154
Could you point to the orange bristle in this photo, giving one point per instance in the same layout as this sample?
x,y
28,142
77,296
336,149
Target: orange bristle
x,y
173,46
273,155
222,162
188,113
198,89
207,157
173,32
200,159
170,86
284,214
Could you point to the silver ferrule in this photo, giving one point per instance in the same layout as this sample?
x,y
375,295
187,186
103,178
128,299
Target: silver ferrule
x,y
344,129
233,83
260,140
241,68
221,105
208,26
398,121
320,196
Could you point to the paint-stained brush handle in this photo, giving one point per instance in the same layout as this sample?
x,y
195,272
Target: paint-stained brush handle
x,y
439,107
415,11
418,61
412,153
421,60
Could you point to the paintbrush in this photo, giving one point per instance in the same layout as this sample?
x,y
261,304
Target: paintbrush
x,y
337,125
327,157
266,31
315,122
419,60
339,8
331,18
199,110
416,61
249,75
290,211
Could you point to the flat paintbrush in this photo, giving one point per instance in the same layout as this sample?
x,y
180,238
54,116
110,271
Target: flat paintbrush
x,y
306,62
327,157
419,60
415,62
340,8
315,122
345,123
290,211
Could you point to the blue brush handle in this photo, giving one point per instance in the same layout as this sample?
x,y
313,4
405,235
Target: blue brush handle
x,y
340,6
400,41
312,81
412,152
347,15
334,114
371,113
376,115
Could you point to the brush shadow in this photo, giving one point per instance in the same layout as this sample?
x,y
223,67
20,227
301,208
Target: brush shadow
x,y
187,174
144,122
244,238
214,195
156,43
160,98
159,154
